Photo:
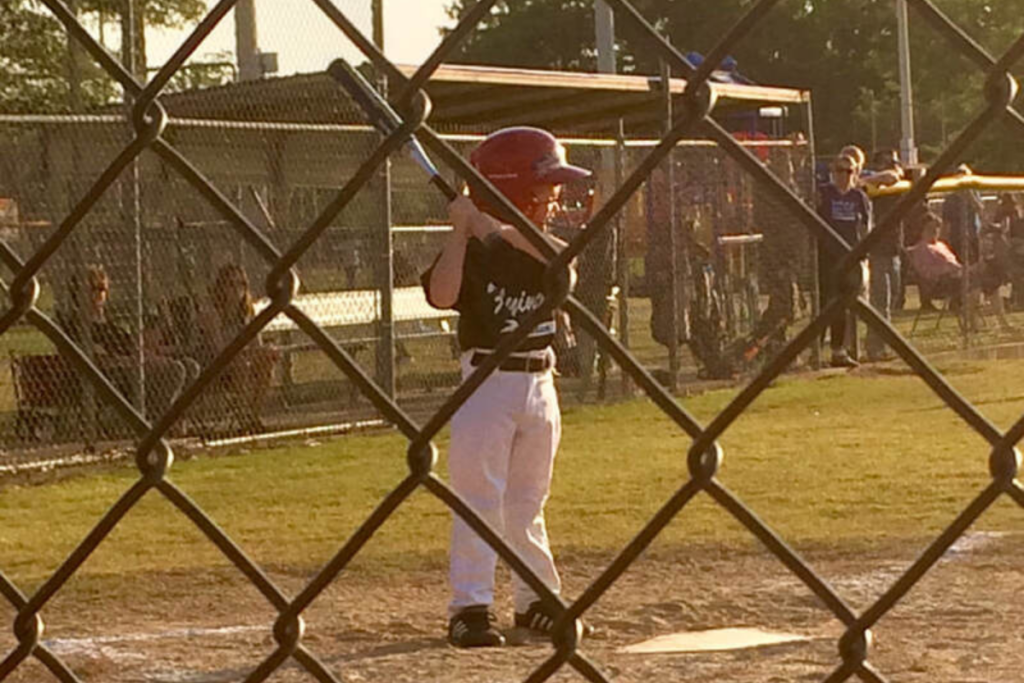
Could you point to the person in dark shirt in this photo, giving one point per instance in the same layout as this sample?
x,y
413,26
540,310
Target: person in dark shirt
x,y
962,213
847,209
115,349
885,288
504,437
1010,215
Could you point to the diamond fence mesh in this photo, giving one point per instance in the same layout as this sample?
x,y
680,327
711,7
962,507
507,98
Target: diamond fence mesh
x,y
743,272
280,177
151,218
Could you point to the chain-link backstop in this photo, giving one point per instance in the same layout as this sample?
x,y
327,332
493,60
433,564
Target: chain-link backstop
x,y
51,276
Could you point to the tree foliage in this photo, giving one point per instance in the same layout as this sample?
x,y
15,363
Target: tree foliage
x,y
532,34
158,13
41,71
33,59
843,51
216,69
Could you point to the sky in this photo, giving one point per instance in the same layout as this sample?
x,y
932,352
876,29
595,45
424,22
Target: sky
x,y
305,40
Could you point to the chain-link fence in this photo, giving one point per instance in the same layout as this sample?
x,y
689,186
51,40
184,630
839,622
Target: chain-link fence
x,y
168,263
236,239
737,273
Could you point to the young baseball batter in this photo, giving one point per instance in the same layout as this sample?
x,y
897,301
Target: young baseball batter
x,y
504,438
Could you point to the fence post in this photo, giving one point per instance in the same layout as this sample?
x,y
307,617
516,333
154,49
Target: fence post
x,y
385,258
673,220
622,267
811,241
130,208
66,191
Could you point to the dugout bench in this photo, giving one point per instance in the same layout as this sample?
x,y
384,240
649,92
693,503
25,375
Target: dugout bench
x,y
347,316
47,390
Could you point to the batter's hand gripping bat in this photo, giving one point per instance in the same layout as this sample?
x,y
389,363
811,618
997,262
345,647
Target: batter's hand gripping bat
x,y
384,118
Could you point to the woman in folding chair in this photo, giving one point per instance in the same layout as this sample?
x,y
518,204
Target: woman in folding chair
x,y
940,275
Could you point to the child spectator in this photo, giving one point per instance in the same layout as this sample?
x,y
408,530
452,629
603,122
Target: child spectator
x,y
229,309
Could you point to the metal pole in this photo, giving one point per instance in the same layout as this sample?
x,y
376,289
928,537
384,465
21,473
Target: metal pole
x,y
131,208
622,267
811,244
66,189
908,149
386,257
378,24
248,53
604,39
604,34
673,219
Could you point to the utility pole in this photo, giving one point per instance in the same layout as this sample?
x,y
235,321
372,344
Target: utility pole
x,y
908,148
247,52
604,34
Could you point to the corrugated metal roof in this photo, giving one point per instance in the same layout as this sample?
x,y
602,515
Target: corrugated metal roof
x,y
477,98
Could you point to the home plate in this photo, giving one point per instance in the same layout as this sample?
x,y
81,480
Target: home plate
x,y
712,641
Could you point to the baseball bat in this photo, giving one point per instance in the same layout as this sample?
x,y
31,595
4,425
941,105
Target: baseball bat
x,y
384,118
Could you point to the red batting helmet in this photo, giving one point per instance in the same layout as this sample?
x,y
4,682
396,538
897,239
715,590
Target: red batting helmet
x,y
515,160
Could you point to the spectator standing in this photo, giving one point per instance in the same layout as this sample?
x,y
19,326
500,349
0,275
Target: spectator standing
x,y
1010,215
858,156
885,167
847,209
885,288
962,211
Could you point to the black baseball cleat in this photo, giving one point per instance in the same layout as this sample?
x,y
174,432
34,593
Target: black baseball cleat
x,y
538,619
474,627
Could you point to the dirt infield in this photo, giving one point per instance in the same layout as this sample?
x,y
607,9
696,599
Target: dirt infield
x,y
961,623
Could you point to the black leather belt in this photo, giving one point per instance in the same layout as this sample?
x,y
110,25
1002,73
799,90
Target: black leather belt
x,y
521,364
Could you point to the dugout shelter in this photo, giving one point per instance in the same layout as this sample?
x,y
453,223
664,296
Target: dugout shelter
x,y
473,98
593,113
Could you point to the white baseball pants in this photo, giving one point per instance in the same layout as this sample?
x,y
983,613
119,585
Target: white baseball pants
x,y
503,443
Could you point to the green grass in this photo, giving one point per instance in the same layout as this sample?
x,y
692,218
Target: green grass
x,y
432,366
837,460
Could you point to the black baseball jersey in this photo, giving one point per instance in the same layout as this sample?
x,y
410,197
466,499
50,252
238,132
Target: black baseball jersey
x,y
501,287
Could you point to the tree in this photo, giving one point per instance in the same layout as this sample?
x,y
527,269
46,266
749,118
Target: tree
x,y
41,71
844,52
34,60
217,69
532,33
154,13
